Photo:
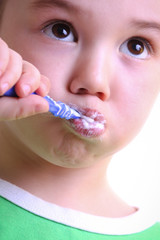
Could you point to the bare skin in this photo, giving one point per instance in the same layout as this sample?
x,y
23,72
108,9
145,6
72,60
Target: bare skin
x,y
94,66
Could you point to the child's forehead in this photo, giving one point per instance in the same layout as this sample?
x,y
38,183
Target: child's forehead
x,y
149,9
140,6
90,3
118,3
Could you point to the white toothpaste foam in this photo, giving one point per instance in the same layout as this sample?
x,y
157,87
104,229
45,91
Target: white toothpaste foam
x,y
89,123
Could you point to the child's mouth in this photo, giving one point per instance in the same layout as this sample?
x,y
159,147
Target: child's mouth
x,y
91,124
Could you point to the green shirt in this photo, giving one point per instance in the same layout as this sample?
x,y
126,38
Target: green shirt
x,y
26,217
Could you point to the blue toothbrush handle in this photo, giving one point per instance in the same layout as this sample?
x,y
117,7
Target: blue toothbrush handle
x,y
58,109
11,93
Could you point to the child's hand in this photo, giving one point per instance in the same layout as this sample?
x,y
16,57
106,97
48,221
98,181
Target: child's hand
x,y
27,79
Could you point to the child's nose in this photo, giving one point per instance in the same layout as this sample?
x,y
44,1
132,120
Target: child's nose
x,y
92,75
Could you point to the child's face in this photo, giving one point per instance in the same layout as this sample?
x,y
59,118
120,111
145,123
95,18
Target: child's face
x,y
100,55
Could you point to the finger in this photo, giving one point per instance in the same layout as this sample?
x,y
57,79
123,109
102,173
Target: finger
x,y
18,108
44,87
29,81
4,56
12,72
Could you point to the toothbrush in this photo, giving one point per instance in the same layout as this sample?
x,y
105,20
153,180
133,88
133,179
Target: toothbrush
x,y
58,109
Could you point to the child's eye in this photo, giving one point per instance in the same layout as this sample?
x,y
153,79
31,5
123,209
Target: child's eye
x,y
60,30
137,48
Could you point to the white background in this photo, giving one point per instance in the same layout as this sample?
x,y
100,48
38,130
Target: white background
x,y
134,173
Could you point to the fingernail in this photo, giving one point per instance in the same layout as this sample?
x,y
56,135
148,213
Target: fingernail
x,y
40,108
4,87
45,89
26,89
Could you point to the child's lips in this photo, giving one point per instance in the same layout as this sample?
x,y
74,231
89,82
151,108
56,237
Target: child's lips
x,y
91,124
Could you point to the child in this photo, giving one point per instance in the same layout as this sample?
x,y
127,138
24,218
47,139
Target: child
x,y
102,58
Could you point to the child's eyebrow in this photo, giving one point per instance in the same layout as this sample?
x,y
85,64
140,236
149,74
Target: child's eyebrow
x,y
66,4
55,3
146,24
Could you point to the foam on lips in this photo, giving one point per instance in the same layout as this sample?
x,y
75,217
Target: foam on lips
x,y
91,124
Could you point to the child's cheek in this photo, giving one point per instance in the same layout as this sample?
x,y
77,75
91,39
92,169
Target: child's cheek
x,y
133,95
